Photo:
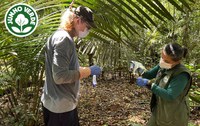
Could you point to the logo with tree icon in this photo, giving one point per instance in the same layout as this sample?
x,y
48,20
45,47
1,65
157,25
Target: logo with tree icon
x,y
21,20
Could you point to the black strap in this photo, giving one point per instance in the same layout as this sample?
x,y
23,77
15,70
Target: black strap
x,y
153,97
153,102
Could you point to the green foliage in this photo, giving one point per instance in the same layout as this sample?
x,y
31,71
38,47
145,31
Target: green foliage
x,y
195,89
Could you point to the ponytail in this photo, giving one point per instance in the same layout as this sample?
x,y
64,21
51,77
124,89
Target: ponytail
x,y
185,52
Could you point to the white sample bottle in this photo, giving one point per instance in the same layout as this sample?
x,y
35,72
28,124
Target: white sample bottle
x,y
94,80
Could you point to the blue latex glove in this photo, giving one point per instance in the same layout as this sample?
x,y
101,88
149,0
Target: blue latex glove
x,y
142,81
95,70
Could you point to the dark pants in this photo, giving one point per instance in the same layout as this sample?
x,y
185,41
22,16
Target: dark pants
x,y
60,119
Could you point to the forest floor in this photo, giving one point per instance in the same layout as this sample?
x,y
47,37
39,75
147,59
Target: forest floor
x,y
118,103
110,103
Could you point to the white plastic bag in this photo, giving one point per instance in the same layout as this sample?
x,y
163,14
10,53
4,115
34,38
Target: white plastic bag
x,y
137,68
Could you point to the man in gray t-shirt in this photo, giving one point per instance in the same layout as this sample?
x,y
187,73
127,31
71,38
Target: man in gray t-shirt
x,y
60,93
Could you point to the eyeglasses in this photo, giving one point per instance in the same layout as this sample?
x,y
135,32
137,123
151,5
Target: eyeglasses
x,y
88,25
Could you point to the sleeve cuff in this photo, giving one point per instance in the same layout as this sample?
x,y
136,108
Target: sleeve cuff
x,y
153,86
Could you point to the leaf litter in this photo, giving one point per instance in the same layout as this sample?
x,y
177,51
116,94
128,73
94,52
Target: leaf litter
x,y
115,103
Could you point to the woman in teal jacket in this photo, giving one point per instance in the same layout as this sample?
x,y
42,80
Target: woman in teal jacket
x,y
169,102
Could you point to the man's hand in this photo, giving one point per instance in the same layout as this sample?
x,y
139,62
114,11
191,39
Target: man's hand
x,y
95,70
84,72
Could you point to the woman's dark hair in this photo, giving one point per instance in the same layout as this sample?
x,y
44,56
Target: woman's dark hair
x,y
175,51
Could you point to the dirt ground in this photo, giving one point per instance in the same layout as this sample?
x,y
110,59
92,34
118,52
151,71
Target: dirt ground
x,y
110,103
118,103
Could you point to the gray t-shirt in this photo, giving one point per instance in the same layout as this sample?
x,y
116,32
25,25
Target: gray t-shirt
x,y
61,88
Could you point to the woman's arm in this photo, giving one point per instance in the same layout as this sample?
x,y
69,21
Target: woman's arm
x,y
151,73
175,88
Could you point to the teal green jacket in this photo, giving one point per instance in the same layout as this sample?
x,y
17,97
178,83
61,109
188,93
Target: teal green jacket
x,y
170,99
175,88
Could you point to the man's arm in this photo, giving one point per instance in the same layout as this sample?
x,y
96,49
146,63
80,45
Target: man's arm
x,y
63,51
